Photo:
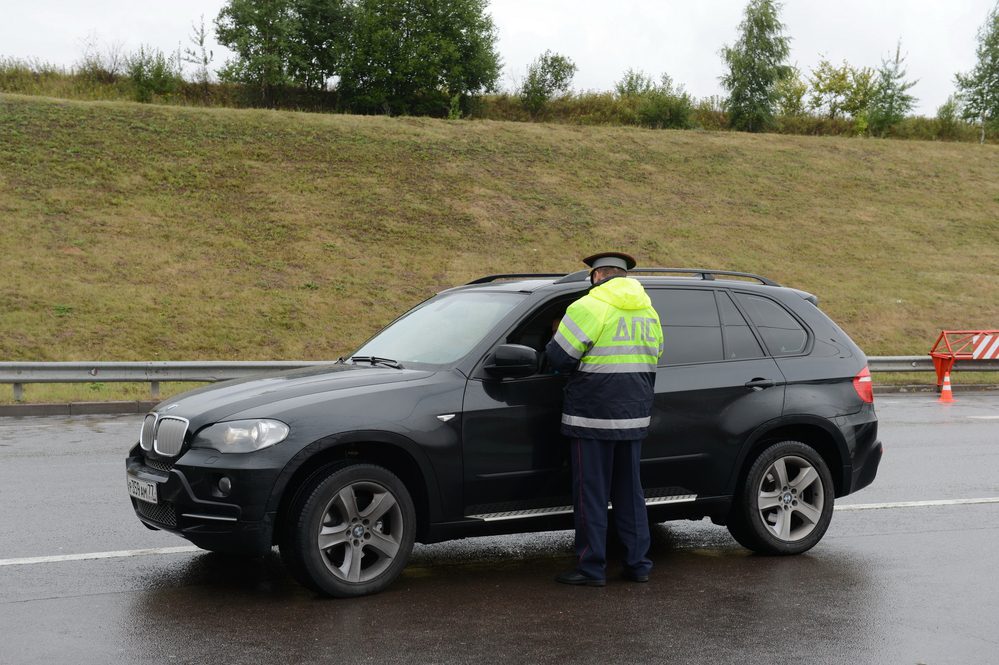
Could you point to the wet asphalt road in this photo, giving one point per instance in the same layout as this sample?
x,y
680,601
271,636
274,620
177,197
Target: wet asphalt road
x,y
891,585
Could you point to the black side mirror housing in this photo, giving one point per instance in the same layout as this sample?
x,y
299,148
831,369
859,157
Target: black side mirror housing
x,y
510,360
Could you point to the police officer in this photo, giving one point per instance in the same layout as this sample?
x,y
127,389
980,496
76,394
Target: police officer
x,y
609,342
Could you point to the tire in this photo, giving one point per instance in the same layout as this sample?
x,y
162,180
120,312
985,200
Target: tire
x,y
349,532
785,503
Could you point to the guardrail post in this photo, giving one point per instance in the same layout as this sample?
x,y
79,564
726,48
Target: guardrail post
x,y
18,392
154,389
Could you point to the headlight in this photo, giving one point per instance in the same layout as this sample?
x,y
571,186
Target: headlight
x,y
242,436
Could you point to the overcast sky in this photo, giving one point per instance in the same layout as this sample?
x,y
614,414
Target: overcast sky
x,y
603,37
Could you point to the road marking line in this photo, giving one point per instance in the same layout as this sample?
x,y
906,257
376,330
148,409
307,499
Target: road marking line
x,y
984,417
189,549
915,504
97,555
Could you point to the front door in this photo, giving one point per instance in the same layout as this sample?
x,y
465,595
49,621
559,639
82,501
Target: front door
x,y
515,457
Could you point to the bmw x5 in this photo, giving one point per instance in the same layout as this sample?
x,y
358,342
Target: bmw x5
x,y
445,425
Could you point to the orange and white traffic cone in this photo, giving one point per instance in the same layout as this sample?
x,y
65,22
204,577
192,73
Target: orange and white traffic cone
x,y
946,394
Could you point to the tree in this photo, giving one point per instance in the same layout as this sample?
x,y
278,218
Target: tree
x,y
417,56
756,63
890,101
200,56
790,94
979,89
260,33
830,86
549,74
283,42
860,92
843,91
322,38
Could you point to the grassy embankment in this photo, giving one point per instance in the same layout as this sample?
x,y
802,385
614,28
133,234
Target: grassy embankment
x,y
137,232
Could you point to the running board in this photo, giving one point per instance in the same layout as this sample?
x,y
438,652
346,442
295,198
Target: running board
x,y
566,510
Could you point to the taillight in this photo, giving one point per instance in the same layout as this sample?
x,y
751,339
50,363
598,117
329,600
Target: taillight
x,y
863,385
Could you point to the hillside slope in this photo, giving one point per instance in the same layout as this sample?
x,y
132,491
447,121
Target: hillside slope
x,y
135,232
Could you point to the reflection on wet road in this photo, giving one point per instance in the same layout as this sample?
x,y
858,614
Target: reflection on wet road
x,y
895,585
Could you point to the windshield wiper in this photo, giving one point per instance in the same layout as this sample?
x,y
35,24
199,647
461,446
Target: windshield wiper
x,y
375,360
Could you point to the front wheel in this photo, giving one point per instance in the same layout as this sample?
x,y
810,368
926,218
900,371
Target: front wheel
x,y
350,532
785,502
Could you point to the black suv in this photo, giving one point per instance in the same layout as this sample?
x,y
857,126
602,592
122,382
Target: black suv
x,y
446,424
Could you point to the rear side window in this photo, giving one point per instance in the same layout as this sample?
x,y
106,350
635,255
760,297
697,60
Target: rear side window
x,y
740,342
691,327
781,332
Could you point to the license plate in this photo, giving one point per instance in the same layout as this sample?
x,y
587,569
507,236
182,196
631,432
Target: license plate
x,y
143,490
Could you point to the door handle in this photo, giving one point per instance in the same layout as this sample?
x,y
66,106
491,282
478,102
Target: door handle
x,y
759,384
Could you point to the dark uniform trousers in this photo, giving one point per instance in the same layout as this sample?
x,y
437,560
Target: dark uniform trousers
x,y
600,467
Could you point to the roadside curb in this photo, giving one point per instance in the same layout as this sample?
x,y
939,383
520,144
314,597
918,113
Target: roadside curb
x,y
75,408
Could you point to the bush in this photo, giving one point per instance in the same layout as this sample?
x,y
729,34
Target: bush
x,y
949,122
152,74
101,65
665,106
811,125
709,114
588,108
660,105
28,76
634,83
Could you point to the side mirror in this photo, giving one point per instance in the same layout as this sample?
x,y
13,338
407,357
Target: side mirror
x,y
510,360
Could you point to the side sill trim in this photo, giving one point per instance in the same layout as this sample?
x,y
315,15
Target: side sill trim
x,y
565,510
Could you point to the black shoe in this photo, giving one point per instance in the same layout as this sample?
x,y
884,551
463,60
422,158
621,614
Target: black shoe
x,y
577,578
634,577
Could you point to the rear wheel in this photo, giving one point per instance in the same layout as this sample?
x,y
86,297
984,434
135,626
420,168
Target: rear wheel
x,y
785,502
350,532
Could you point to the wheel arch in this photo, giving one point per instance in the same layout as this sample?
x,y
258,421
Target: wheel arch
x,y
816,433
391,451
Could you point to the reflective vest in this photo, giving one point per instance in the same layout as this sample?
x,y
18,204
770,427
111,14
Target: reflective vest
x,y
610,342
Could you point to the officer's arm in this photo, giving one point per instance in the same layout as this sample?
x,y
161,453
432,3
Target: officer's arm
x,y
571,341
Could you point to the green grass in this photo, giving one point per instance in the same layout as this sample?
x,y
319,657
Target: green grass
x,y
141,232
930,378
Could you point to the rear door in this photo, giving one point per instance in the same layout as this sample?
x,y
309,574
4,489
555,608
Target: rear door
x,y
715,385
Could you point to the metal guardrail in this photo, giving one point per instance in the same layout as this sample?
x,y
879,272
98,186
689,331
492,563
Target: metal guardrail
x,y
156,372
153,373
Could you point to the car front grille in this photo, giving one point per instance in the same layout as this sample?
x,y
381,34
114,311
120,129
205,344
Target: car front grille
x,y
160,513
170,433
148,432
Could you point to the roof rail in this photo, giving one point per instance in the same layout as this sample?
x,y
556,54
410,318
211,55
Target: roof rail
x,y
706,274
514,275
703,273
584,275
578,276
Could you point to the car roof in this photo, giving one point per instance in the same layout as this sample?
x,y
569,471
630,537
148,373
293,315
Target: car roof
x,y
540,282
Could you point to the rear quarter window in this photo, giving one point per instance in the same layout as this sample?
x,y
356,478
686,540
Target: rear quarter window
x,y
781,332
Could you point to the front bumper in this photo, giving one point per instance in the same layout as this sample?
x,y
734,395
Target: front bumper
x,y
191,504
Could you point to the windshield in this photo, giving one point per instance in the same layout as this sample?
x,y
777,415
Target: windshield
x,y
443,329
